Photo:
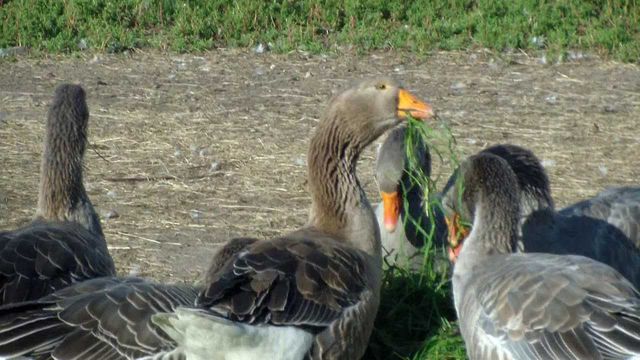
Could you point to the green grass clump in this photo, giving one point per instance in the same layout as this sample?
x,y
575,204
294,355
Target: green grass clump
x,y
609,27
413,318
416,319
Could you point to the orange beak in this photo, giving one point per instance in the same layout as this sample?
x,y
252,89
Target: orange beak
x,y
409,104
457,234
454,253
391,205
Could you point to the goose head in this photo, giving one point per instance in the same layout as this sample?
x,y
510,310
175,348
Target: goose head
x,y
485,202
370,108
532,178
353,120
533,182
393,174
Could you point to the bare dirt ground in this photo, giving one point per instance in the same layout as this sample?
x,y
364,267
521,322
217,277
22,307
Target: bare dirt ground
x,y
191,150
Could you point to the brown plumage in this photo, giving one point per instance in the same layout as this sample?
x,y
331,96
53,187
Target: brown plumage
x,y
319,284
62,196
325,277
65,243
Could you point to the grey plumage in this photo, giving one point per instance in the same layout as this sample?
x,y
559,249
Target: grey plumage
x,y
532,305
43,257
104,318
619,207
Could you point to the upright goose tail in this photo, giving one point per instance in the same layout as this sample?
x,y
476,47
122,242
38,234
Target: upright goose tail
x,y
202,335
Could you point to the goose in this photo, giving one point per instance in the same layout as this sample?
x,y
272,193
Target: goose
x,y
64,243
313,293
62,196
402,199
530,305
597,228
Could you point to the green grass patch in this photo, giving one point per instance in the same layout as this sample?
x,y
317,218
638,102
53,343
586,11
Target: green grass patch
x,y
608,27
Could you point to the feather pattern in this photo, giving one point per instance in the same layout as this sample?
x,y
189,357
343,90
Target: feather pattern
x,y
100,318
290,281
541,306
43,257
532,305
65,243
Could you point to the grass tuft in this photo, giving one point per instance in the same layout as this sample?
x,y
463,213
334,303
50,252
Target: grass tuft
x,y
607,27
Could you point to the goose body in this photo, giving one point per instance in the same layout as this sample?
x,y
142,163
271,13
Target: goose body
x,y
310,294
64,244
551,232
531,305
321,282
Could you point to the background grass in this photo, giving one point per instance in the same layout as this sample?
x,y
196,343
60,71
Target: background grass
x,y
607,27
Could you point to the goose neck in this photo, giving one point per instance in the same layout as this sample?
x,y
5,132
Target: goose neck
x,y
61,186
339,205
493,232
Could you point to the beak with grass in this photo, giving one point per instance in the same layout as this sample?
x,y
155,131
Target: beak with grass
x,y
457,233
409,215
411,105
530,305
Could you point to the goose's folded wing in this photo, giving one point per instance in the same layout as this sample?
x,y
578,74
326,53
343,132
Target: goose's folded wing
x,y
618,206
539,306
43,257
105,318
300,280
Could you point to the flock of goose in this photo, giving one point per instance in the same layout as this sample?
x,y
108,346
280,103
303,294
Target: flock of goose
x,y
529,282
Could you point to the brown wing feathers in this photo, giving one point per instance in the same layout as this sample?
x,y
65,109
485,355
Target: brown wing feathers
x,y
286,282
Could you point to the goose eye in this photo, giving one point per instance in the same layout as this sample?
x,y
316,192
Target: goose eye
x,y
381,86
